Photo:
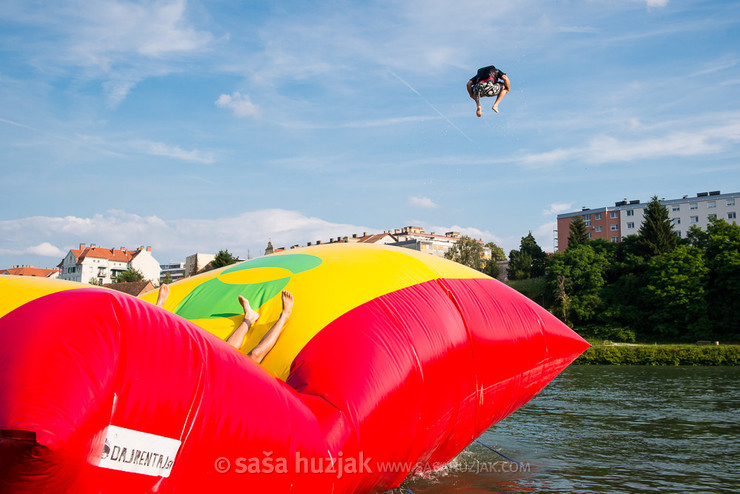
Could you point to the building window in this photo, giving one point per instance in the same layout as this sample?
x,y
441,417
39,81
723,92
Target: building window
x,y
614,214
598,229
630,212
615,240
693,205
589,235
730,202
587,219
731,215
694,219
678,232
676,209
597,216
614,228
630,225
676,221
712,216
712,204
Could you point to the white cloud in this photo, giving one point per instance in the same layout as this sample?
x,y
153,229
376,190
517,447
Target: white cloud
x,y
608,149
45,249
240,105
557,208
656,3
243,234
112,28
117,42
422,202
161,149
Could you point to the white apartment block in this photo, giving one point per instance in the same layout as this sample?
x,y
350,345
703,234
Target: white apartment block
x,y
176,271
104,265
410,237
413,237
625,218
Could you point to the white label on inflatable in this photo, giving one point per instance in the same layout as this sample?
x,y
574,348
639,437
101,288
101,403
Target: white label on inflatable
x,y
138,452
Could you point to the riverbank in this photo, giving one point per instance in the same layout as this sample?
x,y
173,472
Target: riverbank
x,y
635,354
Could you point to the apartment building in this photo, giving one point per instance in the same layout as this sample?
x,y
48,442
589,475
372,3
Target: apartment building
x,y
625,217
176,270
104,264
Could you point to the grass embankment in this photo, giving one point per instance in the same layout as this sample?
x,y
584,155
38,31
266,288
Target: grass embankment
x,y
623,354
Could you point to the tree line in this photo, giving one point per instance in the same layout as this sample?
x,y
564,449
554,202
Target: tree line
x,y
652,286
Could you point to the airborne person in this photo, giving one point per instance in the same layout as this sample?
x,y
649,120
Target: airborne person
x,y
489,81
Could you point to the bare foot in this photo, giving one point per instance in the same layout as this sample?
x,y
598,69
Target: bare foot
x,y
250,315
164,292
478,112
287,303
494,108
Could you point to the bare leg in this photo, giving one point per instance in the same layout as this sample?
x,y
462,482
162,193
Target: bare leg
x,y
164,292
500,96
268,341
475,98
250,317
502,93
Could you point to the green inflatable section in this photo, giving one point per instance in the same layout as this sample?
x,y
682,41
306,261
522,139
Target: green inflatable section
x,y
215,299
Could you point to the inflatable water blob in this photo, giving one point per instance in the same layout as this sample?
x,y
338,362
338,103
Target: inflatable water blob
x,y
392,362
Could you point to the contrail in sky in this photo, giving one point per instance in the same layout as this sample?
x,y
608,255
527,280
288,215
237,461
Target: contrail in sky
x,y
430,104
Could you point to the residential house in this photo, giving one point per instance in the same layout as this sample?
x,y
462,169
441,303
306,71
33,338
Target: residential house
x,y
104,264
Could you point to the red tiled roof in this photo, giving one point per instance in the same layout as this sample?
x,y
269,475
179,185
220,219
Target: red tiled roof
x,y
110,254
120,255
30,271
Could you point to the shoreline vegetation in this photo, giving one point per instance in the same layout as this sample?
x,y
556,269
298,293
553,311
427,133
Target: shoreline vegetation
x,y
608,353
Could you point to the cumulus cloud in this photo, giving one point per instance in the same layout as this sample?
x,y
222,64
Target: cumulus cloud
x,y
171,240
46,249
239,104
557,208
422,202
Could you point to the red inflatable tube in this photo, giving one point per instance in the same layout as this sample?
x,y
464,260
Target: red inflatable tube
x,y
381,389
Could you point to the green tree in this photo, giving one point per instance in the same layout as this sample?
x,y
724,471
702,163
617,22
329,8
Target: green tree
x,y
466,251
167,279
722,253
223,258
578,232
131,274
576,277
529,261
656,232
520,265
497,253
673,295
697,237
491,267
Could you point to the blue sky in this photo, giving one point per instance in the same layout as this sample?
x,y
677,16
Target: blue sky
x,y
193,126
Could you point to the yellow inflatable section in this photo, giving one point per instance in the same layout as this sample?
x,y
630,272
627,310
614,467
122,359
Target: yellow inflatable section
x,y
27,288
314,275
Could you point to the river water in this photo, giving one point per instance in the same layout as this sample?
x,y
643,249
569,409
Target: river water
x,y
609,429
